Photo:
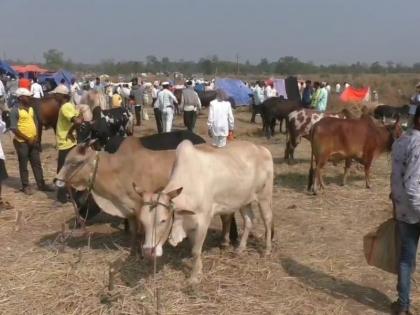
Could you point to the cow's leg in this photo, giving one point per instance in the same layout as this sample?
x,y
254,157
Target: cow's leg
x,y
367,165
267,216
272,126
132,223
248,216
199,237
226,221
346,171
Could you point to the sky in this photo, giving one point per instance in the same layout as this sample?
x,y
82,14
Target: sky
x,y
321,31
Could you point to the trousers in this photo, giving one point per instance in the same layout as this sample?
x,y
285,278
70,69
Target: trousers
x,y
158,118
25,153
190,117
62,191
167,119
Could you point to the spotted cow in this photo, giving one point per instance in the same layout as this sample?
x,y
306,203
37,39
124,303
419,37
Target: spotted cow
x,y
300,124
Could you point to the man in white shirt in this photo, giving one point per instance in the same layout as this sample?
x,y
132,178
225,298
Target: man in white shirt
x,y
220,121
270,91
75,92
3,105
258,100
36,89
166,101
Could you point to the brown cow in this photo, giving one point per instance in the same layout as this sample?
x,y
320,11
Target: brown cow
x,y
358,139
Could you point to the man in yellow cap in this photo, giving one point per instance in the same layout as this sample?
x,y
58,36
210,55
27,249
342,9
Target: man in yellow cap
x,y
68,118
23,124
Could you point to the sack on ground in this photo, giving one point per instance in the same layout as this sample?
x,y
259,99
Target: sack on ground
x,y
382,247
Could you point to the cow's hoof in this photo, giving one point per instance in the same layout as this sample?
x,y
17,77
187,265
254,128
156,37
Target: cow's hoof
x,y
224,245
267,253
239,250
194,280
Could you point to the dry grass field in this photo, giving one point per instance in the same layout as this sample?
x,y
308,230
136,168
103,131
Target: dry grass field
x,y
317,265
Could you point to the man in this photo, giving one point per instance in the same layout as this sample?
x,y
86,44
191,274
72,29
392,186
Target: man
x,y
315,95
4,205
338,88
37,94
23,124
137,94
3,104
98,86
23,82
405,194
322,99
220,121
156,109
68,119
190,103
307,94
75,91
258,100
269,90
166,102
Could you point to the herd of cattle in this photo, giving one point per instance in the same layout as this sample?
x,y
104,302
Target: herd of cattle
x,y
169,186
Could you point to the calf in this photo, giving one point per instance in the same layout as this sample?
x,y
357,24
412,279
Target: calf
x,y
229,179
276,108
358,139
300,124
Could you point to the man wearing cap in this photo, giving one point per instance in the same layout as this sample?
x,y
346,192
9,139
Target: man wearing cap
x,y
166,102
23,124
190,104
68,119
405,194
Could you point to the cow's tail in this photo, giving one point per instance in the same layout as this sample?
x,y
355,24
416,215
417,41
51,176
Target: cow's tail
x,y
311,176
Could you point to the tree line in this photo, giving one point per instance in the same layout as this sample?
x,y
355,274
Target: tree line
x,y
288,65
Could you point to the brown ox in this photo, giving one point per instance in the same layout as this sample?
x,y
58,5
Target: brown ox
x,y
358,139
300,123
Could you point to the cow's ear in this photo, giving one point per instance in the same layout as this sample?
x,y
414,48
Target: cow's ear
x,y
184,212
174,193
137,190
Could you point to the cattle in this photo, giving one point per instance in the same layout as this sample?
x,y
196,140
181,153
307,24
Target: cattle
x,y
106,124
276,108
110,184
386,111
300,124
347,139
230,179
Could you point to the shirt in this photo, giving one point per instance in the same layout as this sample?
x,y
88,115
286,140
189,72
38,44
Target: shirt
x,y
24,121
2,89
269,92
36,90
116,100
75,88
258,95
190,100
2,130
220,119
166,99
405,177
337,88
67,112
322,100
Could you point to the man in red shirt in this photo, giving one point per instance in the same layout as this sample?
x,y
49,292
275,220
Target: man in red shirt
x,y
23,82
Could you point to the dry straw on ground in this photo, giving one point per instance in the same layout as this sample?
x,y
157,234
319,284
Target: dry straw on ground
x,y
317,265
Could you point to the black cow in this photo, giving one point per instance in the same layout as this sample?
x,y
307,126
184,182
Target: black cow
x,y
276,108
386,111
106,124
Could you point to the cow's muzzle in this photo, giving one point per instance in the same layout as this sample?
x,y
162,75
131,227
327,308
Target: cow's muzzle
x,y
151,252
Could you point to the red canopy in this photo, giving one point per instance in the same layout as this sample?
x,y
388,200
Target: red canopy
x,y
352,94
29,68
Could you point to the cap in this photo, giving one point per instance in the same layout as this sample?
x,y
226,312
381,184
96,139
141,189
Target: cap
x,y
23,92
61,89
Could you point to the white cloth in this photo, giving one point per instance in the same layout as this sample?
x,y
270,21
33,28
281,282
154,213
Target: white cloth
x,y
36,90
258,95
220,119
269,92
167,119
219,141
2,89
166,99
75,88
2,130
337,88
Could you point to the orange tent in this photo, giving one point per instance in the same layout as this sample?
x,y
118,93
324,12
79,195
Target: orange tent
x,y
352,94
29,68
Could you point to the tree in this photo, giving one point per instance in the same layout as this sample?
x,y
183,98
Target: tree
x,y
54,59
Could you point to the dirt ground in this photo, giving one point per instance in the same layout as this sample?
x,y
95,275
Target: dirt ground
x,y
317,265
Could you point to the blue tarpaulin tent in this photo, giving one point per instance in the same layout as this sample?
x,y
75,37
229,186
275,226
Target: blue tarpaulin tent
x,y
7,69
236,90
54,79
